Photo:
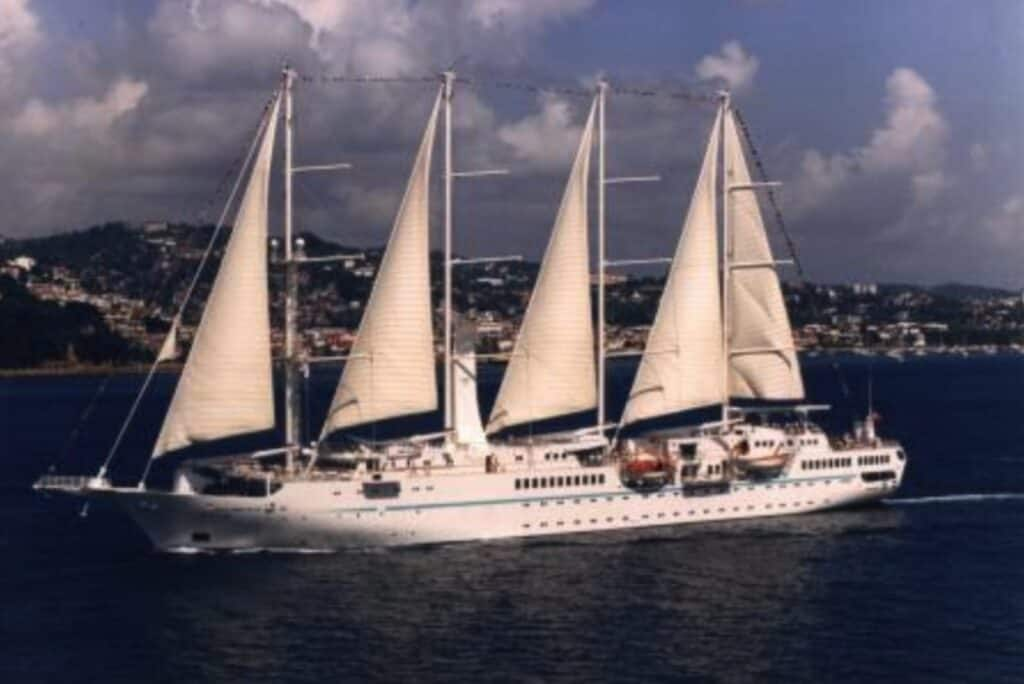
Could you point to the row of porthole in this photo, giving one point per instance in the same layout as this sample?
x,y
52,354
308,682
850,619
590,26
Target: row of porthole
x,y
559,481
675,514
736,509
873,459
826,463
626,497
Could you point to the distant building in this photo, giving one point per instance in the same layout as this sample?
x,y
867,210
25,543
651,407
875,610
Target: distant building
x,y
23,263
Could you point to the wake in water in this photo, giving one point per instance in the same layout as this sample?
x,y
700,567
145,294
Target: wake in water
x,y
193,551
955,498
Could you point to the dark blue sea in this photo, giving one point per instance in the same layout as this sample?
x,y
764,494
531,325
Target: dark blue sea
x,y
928,587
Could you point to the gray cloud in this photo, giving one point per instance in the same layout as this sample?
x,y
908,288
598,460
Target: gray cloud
x,y
141,120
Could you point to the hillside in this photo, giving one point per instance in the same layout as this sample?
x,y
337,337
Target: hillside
x,y
35,332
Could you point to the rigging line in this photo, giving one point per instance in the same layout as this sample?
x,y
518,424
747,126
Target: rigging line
x,y
328,78
524,86
265,121
772,199
777,211
790,245
203,212
82,418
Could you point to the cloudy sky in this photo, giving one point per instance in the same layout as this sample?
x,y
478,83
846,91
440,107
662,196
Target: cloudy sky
x,y
897,127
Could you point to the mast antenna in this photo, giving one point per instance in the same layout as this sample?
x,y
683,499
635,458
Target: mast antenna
x,y
449,84
292,407
723,96
602,90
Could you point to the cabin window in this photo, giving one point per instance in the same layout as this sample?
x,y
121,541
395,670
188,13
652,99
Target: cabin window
x,y
518,484
576,480
600,478
535,483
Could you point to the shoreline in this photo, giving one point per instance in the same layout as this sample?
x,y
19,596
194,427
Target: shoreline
x,y
964,351
87,369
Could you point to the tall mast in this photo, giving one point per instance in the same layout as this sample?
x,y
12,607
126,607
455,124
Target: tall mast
x,y
726,256
449,83
602,88
292,416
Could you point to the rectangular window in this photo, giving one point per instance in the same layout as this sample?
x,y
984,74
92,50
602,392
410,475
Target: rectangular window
x,y
535,484
518,484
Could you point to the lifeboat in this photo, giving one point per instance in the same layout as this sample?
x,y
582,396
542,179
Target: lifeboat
x,y
645,473
640,467
772,462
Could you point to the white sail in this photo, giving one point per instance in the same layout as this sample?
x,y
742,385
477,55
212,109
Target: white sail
x,y
169,349
469,430
551,372
226,387
681,367
390,371
763,363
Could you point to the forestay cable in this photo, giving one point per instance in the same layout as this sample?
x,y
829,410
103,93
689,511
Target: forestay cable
x,y
264,122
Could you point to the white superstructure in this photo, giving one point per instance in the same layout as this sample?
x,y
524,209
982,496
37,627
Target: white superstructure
x,y
721,332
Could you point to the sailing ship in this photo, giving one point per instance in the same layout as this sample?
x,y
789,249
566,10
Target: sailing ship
x,y
721,332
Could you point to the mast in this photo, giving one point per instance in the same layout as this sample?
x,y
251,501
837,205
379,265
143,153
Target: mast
x,y
292,417
602,88
726,258
449,83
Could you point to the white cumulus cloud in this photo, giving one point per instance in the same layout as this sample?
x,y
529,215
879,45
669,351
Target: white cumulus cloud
x,y
19,35
733,66
912,144
546,138
94,114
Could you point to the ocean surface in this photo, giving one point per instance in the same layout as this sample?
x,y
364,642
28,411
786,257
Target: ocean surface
x,y
928,587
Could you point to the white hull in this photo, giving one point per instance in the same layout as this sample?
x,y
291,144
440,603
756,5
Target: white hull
x,y
447,507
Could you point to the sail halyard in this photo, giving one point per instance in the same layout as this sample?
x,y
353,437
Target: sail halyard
x,y
681,367
552,368
226,386
390,370
763,362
